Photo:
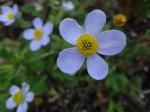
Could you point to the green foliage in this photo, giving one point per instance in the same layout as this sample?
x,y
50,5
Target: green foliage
x,y
118,83
39,69
144,8
114,107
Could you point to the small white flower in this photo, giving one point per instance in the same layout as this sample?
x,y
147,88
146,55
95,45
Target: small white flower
x,y
89,42
19,97
39,34
38,6
67,5
9,14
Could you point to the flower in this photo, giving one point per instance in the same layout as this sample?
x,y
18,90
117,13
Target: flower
x,y
119,20
39,34
89,43
68,5
9,14
38,6
19,97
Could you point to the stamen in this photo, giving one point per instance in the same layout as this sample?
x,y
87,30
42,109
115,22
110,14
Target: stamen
x,y
87,44
18,98
10,16
38,33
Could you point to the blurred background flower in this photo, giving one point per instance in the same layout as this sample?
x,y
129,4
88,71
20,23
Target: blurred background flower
x,y
119,20
68,5
9,14
20,97
39,35
126,87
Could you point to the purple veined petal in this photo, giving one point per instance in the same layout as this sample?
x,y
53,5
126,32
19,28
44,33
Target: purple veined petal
x,y
48,28
38,23
35,45
111,42
70,61
94,22
97,67
28,34
70,30
14,89
29,96
22,107
10,104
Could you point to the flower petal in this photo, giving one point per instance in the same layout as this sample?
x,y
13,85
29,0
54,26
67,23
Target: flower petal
x,y
28,34
111,42
45,41
9,22
6,9
35,45
15,9
38,23
48,28
25,87
70,61
22,107
97,67
29,96
70,30
10,104
94,22
14,89
3,18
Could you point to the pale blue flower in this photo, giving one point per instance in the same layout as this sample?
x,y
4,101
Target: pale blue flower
x,y
89,42
9,14
20,97
39,34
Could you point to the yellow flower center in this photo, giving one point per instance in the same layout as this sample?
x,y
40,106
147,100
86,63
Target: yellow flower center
x,y
18,97
87,44
38,33
119,20
10,16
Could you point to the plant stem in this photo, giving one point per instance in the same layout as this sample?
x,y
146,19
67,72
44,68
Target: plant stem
x,y
41,56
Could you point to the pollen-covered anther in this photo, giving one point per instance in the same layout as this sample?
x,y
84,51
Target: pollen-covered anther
x,y
38,33
10,16
18,97
87,44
